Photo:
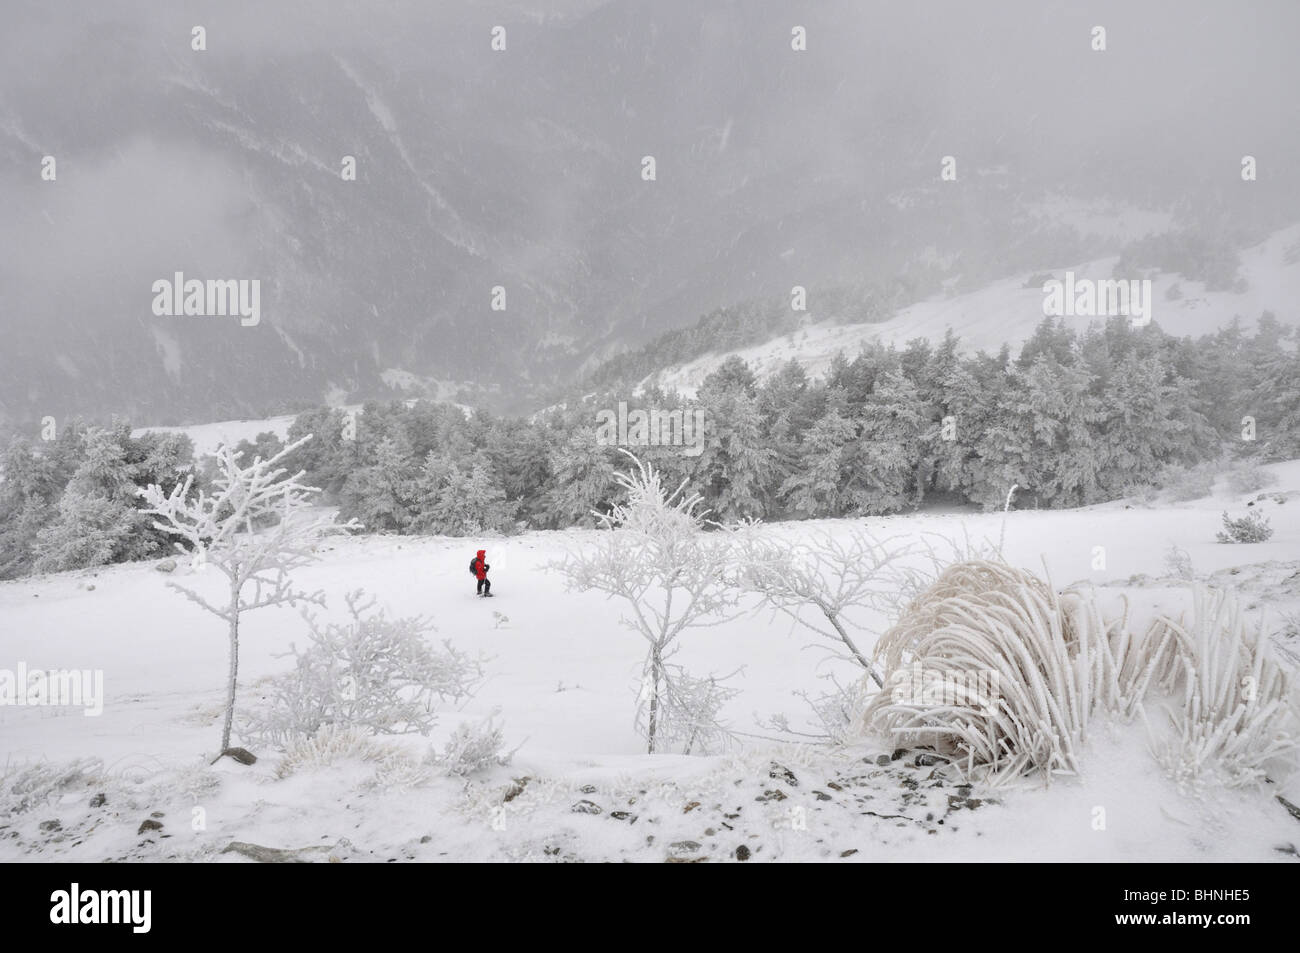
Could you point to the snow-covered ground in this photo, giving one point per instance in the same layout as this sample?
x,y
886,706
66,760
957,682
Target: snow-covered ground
x,y
1008,312
563,673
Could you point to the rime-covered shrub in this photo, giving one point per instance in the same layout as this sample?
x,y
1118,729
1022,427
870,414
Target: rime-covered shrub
x,y
473,748
689,712
1251,528
1179,564
837,713
395,768
35,785
1181,484
398,770
330,744
1143,493
372,673
1249,477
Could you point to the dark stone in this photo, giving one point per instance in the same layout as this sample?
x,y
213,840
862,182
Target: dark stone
x,y
98,800
821,795
882,760
51,826
849,853
779,772
898,753
149,824
622,815
742,852
772,795
242,755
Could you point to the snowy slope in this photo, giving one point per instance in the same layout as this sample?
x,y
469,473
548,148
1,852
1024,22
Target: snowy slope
x,y
563,674
207,437
1007,311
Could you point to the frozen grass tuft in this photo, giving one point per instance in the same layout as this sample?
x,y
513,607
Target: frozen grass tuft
x,y
1239,715
993,669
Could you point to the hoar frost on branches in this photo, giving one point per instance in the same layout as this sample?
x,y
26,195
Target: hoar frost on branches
x,y
255,529
374,673
826,584
830,575
652,552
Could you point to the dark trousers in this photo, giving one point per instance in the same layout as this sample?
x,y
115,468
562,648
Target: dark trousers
x,y
484,586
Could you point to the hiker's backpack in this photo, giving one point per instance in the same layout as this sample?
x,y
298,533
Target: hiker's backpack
x,y
473,566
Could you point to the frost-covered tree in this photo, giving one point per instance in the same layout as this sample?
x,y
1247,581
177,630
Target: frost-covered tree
x,y
653,554
371,672
88,531
384,495
462,499
28,491
584,479
97,520
817,487
1147,420
893,428
736,466
227,530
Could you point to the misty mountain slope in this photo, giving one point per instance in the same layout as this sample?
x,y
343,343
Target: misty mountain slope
x,y
1008,311
522,169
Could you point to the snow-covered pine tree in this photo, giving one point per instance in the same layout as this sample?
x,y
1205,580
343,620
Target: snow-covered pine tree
x,y
1148,421
583,480
892,429
462,498
736,467
384,496
816,488
97,520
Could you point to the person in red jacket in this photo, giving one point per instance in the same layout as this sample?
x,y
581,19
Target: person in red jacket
x,y
479,567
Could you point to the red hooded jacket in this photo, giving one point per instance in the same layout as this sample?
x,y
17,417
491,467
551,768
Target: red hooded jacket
x,y
480,565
